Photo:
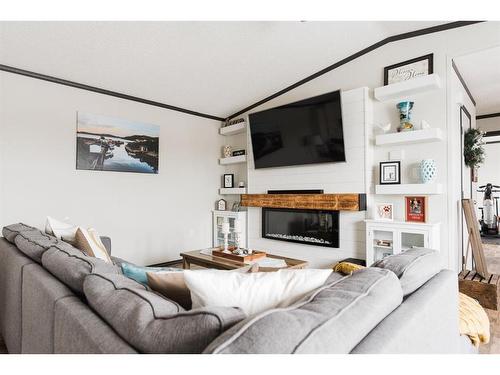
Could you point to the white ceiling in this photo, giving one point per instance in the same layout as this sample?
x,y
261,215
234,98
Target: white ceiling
x,y
212,67
481,73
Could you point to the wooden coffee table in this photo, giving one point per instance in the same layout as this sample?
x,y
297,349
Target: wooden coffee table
x,y
210,261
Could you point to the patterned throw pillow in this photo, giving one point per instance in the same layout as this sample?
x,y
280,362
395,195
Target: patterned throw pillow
x,y
90,243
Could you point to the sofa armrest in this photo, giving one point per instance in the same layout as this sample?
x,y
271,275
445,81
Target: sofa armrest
x,y
107,243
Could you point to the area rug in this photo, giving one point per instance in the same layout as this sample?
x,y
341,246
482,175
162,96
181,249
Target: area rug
x,y
490,240
492,253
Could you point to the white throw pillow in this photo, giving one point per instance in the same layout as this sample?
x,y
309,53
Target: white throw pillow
x,y
252,292
60,229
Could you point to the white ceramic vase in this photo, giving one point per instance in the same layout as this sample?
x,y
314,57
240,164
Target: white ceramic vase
x,y
428,171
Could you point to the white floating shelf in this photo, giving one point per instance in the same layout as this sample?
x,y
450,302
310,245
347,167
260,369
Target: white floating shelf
x,y
402,90
233,129
409,189
232,191
409,137
398,222
233,160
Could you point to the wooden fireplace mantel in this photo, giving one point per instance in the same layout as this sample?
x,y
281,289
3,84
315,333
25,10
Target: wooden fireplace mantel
x,y
333,202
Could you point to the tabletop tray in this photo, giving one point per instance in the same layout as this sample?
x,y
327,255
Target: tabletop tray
x,y
239,258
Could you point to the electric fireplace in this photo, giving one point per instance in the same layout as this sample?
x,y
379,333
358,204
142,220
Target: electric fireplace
x,y
311,227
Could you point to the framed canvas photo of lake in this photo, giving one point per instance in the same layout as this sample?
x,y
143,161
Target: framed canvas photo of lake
x,y
110,144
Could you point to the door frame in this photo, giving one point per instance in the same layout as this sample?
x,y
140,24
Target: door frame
x,y
463,110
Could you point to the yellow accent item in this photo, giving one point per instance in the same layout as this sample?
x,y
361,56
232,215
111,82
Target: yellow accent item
x,y
347,268
473,320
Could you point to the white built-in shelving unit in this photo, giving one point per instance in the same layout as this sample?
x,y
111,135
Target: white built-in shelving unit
x,y
219,217
236,137
409,189
410,137
384,238
400,236
403,90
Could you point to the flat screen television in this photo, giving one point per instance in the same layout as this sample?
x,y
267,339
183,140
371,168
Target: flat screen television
x,y
305,132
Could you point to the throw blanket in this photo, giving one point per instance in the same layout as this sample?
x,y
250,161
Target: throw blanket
x,y
473,320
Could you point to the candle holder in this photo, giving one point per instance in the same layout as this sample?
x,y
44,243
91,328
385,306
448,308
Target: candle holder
x,y
226,243
237,240
225,232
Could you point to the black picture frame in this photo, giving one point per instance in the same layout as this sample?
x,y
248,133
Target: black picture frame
x,y
397,168
228,186
429,57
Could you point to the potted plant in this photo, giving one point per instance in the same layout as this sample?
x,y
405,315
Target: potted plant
x,y
473,150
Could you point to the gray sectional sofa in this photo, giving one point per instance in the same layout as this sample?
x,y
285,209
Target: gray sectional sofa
x,y
54,299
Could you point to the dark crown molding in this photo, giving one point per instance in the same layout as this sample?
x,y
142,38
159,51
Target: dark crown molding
x,y
82,86
394,38
492,133
480,117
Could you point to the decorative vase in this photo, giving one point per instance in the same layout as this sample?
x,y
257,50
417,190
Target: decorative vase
x,y
428,170
226,151
405,116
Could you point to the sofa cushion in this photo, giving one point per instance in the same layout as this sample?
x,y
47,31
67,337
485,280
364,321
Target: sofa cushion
x,y
10,232
78,330
414,267
33,243
40,293
334,319
71,266
151,323
12,268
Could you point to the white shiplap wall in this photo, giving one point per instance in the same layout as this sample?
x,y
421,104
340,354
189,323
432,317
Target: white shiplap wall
x,y
351,176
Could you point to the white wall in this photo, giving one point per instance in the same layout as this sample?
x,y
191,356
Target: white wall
x,y
433,107
151,218
345,177
489,172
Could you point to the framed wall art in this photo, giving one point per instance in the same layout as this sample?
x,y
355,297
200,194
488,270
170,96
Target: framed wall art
x,y
409,69
385,211
111,144
390,172
228,180
416,209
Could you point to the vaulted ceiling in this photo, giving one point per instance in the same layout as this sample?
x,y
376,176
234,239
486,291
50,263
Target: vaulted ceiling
x,y
212,67
481,73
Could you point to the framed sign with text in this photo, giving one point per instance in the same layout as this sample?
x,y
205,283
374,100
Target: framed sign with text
x,y
409,69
